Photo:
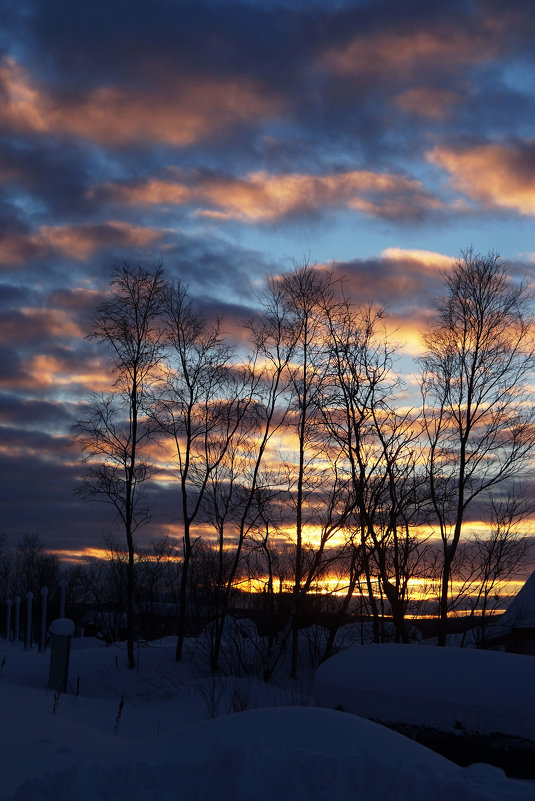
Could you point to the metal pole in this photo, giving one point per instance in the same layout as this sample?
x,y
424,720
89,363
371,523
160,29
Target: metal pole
x,y
44,598
28,632
8,620
17,618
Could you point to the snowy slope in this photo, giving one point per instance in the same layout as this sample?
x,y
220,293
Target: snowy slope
x,y
448,688
166,747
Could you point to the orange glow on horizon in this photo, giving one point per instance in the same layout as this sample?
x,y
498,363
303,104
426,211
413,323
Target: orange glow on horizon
x,y
419,589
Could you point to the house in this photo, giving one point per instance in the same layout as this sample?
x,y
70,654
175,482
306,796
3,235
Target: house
x,y
515,629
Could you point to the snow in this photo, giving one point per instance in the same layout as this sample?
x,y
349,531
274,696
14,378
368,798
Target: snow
x,y
448,688
62,626
148,733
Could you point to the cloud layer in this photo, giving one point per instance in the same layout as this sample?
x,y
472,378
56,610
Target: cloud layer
x,y
225,140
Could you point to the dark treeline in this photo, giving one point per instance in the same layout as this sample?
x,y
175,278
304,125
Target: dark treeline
x,y
95,592
294,452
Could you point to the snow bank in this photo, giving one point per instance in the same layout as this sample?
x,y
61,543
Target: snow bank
x,y
299,754
143,734
447,688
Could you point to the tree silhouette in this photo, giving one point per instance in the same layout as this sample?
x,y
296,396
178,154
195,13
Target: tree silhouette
x,y
116,430
477,406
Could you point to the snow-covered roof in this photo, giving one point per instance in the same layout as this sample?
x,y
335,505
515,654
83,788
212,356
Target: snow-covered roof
x,y
520,613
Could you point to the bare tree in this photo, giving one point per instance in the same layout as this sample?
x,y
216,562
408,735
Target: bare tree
x,y
7,570
155,568
199,405
378,455
270,563
239,487
30,568
477,407
316,487
350,570
487,561
116,431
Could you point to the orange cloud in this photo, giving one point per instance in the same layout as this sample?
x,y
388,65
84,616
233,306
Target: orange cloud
x,y
77,241
153,192
407,332
81,241
39,324
406,327
264,197
406,52
425,258
112,115
44,370
495,175
16,248
428,102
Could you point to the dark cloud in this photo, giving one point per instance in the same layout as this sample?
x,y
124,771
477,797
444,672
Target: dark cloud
x,y
23,411
37,494
12,371
214,270
54,175
146,40
331,69
398,280
13,296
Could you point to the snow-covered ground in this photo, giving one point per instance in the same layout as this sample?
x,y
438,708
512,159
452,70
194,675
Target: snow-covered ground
x,y
264,741
448,688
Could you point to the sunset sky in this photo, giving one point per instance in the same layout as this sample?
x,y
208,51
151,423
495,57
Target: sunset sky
x,y
225,140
